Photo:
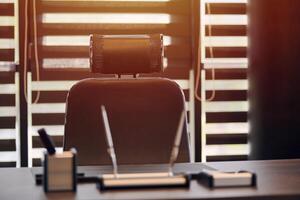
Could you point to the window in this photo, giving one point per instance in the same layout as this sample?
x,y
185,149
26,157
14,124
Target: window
x,y
9,85
58,57
224,80
9,53
63,53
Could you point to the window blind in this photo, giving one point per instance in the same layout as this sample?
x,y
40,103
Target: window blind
x,y
9,85
9,53
63,32
224,44
65,25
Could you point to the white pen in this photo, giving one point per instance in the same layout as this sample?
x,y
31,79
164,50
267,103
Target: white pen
x,y
177,140
109,141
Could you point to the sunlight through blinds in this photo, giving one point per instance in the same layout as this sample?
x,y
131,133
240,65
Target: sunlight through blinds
x,y
224,39
9,47
9,85
63,31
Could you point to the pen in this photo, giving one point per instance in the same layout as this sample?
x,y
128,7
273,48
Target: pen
x,y
110,146
47,142
175,149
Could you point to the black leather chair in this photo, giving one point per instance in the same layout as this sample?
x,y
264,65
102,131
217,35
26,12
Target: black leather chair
x,y
143,112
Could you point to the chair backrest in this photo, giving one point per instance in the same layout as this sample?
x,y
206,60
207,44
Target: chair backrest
x,y
143,114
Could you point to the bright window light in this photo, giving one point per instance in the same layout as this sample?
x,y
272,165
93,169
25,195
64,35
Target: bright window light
x,y
80,40
108,18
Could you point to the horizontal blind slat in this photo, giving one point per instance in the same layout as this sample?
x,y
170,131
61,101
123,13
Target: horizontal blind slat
x,y
172,7
226,41
226,1
7,134
226,85
48,108
78,18
7,21
7,88
226,106
7,35
66,85
226,19
7,156
176,29
53,130
227,128
228,149
8,111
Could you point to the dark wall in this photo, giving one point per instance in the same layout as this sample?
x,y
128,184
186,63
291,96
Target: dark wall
x,y
274,72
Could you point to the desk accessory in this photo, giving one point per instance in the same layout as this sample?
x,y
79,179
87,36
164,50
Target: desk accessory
x,y
142,180
47,141
59,168
214,178
81,178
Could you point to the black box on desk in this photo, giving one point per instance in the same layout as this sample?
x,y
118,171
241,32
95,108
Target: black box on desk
x,y
60,171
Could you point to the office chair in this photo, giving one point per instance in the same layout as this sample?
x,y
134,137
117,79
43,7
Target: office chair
x,y
143,112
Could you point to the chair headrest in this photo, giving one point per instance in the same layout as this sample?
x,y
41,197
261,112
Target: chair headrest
x,y
126,54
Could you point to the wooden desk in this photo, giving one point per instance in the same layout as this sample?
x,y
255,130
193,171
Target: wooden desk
x,y
276,180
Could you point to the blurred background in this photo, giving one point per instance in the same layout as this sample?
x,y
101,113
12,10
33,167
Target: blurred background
x,y
44,51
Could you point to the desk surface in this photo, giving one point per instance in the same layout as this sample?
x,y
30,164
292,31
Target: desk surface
x,y
279,179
